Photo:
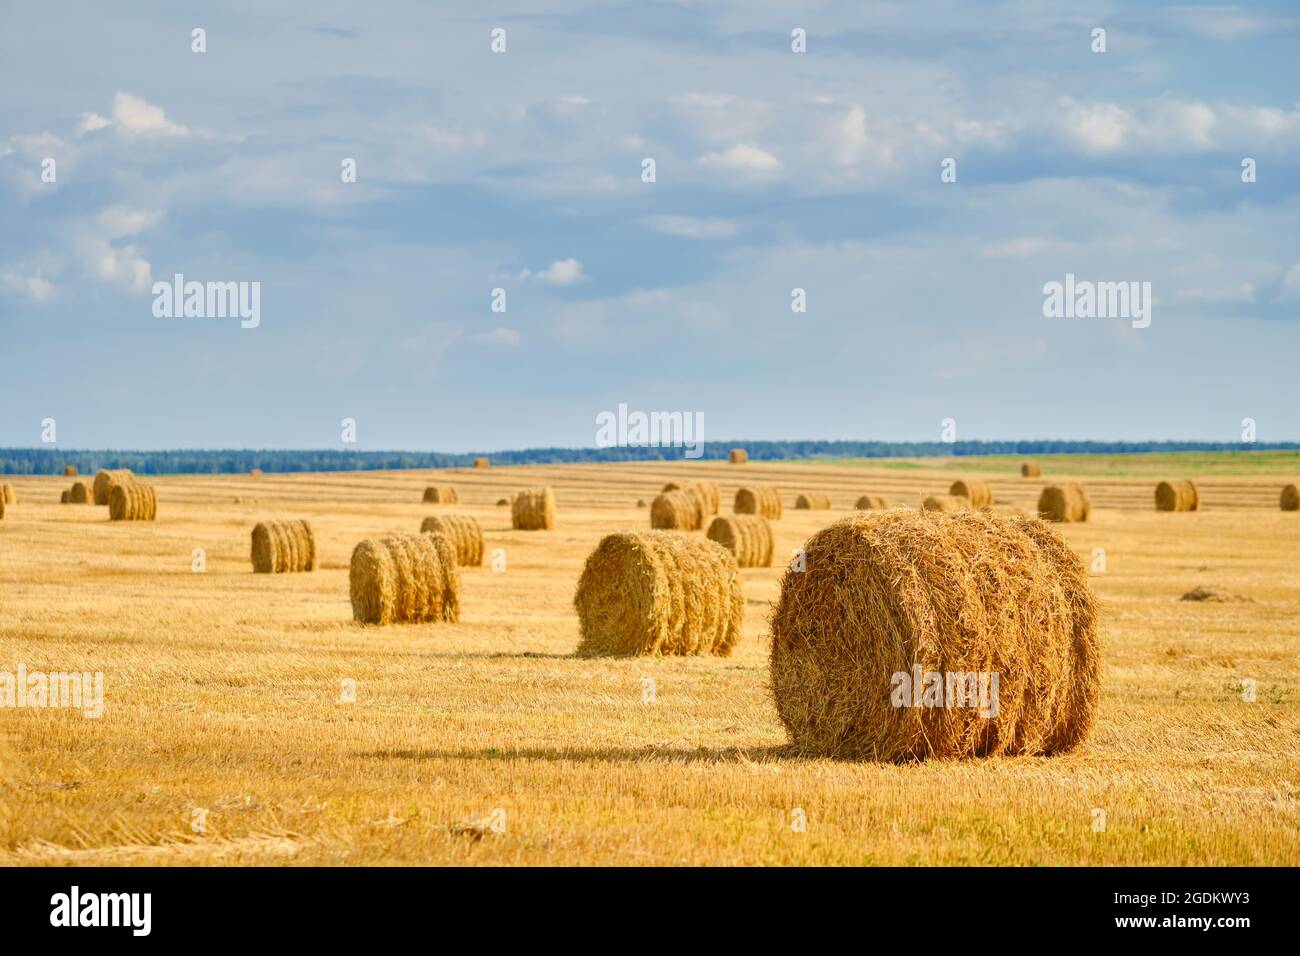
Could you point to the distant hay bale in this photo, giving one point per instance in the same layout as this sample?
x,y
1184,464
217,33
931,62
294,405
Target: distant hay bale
x,y
533,510
132,501
441,495
946,503
813,501
280,547
1177,495
10,496
1030,469
1290,497
69,471
640,503
1068,501
104,480
677,511
888,600
66,498
872,503
3,506
463,532
976,491
747,537
81,493
482,463
404,578
762,500
708,492
255,472
738,456
503,502
659,592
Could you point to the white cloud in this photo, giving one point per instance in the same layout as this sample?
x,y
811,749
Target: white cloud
x,y
118,221
722,117
689,227
120,265
506,338
1225,22
135,116
1022,248
1291,283
742,158
561,272
1096,127
34,287
89,122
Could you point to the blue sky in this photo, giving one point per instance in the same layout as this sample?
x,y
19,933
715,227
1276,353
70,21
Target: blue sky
x,y
522,171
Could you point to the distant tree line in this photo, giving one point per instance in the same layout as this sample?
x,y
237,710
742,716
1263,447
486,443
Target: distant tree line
x,y
51,461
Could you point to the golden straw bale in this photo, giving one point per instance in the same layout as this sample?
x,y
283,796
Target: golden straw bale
x,y
762,500
946,503
255,472
66,498
104,480
738,456
976,491
747,537
707,491
404,578
1068,501
659,592
1290,497
7,492
132,501
872,503
3,506
533,510
677,510
461,530
69,471
899,615
283,546
482,463
503,502
813,501
441,495
81,493
1030,469
1177,495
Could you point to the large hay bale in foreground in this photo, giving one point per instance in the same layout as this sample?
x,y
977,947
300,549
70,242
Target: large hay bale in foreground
x,y
69,471
659,592
710,496
81,493
482,463
1290,500
872,503
1068,501
441,495
945,503
747,537
813,501
132,501
1177,495
762,500
738,456
404,578
676,511
975,491
104,481
280,547
1030,469
463,531
890,597
533,510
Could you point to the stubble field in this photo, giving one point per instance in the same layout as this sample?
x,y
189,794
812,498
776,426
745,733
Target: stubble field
x,y
224,738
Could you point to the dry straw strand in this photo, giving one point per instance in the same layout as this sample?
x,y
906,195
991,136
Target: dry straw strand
x,y
762,500
872,503
104,480
1290,500
533,510
813,501
892,593
441,495
404,578
461,530
1068,501
1177,495
280,547
747,537
974,490
738,456
1030,469
132,501
659,592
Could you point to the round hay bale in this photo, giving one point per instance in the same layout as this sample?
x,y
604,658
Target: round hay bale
x,y
280,547
888,599
1177,495
69,471
3,506
813,501
463,532
66,498
738,456
1030,469
503,502
747,537
640,503
132,501
482,463
255,472
872,503
533,510
1068,501
710,496
404,578
659,592
81,493
945,503
104,480
1290,497
441,495
10,496
676,511
974,490
763,500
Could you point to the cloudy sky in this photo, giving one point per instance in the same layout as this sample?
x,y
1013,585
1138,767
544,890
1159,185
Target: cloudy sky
x,y
522,171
